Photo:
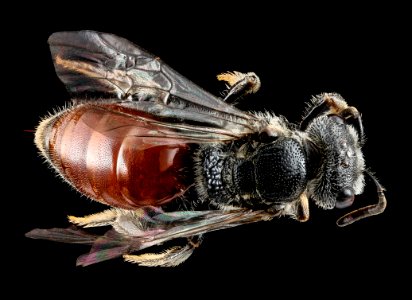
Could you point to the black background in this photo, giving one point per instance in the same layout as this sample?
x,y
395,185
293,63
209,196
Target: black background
x,y
359,54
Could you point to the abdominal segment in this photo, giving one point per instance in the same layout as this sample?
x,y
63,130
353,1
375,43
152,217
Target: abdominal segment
x,y
114,158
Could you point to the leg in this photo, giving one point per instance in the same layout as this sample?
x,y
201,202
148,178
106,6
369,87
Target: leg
x,y
103,218
298,209
239,84
118,218
302,209
169,258
333,104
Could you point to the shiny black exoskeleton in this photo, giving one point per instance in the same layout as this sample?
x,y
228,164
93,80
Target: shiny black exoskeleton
x,y
320,160
270,173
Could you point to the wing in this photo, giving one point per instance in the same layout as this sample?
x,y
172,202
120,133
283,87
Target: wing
x,y
88,61
148,227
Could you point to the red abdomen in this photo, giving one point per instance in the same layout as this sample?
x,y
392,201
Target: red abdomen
x,y
114,157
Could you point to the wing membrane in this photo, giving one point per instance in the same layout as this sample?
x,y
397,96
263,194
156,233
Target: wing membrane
x,y
101,62
117,120
162,227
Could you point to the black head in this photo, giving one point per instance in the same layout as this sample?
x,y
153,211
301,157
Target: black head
x,y
339,167
334,136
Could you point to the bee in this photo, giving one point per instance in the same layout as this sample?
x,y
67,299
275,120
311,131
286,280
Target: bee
x,y
173,161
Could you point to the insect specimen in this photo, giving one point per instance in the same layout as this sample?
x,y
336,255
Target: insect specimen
x,y
173,161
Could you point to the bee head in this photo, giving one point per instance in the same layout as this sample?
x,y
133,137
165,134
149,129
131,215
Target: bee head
x,y
336,160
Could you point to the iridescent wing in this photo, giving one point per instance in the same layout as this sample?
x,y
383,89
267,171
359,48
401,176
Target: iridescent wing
x,y
147,227
89,61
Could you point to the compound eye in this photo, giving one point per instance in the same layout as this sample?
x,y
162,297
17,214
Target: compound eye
x,y
345,198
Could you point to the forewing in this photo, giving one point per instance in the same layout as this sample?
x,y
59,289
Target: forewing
x,y
108,246
159,227
119,120
207,221
89,61
71,235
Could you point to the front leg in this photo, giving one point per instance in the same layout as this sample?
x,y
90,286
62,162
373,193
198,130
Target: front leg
x,y
239,84
333,105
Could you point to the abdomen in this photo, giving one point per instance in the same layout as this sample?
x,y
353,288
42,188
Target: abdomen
x,y
111,157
